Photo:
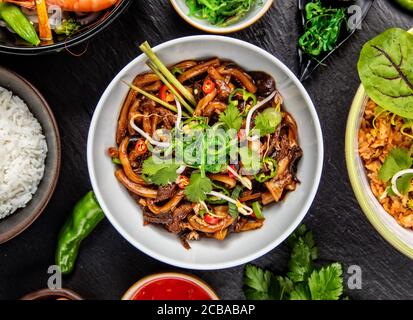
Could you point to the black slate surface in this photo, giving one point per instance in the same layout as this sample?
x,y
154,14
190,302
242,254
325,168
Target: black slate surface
x,y
108,264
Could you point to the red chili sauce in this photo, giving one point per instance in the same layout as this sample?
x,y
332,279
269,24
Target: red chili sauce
x,y
171,289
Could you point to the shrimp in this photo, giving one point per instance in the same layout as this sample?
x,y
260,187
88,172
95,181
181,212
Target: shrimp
x,y
71,5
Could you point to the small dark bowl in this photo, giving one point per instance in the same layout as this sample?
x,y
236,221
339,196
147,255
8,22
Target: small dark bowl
x,y
55,294
8,44
16,223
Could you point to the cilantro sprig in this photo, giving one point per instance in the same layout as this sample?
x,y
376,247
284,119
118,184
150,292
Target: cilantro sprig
x,y
398,159
198,188
267,121
159,172
304,281
231,117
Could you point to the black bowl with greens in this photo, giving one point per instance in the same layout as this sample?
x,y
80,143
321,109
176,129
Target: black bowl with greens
x,y
12,44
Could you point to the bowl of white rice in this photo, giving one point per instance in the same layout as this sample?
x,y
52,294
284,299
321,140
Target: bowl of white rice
x,y
29,154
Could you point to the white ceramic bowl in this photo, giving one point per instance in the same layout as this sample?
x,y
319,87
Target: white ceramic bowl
x,y
251,17
281,218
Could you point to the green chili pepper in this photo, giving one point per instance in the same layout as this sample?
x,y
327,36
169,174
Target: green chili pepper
x,y
407,4
176,71
271,164
116,161
245,96
19,23
216,200
256,207
85,217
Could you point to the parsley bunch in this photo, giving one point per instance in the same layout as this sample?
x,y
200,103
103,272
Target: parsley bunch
x,y
304,281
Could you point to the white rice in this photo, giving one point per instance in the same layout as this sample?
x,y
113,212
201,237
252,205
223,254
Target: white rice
x,y
23,152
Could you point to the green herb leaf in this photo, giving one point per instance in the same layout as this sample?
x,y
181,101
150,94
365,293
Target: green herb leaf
x,y
260,284
326,283
404,183
301,263
231,117
159,172
286,287
267,121
198,187
300,292
251,161
232,208
386,71
304,281
397,159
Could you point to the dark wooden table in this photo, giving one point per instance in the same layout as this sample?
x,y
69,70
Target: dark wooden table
x,y
108,264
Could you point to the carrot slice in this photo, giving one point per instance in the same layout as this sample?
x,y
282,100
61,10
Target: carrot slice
x,y
45,32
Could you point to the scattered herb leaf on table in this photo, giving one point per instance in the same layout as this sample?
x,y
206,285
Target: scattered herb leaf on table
x,y
304,280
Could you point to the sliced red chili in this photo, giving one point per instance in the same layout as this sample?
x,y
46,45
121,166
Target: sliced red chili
x,y
231,175
208,86
211,219
165,94
141,147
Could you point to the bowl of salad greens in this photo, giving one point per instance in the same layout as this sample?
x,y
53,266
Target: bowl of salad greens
x,y
379,137
221,16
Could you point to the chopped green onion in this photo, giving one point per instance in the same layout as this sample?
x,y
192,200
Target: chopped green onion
x,y
271,164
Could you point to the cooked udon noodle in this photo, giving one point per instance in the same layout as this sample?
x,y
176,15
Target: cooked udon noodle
x,y
214,84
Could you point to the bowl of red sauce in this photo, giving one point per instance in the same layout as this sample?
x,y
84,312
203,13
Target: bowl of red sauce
x,y
170,286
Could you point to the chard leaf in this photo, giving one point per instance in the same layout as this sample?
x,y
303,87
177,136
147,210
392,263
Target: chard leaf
x,y
386,71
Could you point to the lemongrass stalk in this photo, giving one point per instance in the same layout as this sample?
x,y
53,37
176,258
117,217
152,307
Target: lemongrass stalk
x,y
146,48
170,87
154,98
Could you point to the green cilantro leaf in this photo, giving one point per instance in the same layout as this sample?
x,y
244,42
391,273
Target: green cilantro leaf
x,y
198,187
231,117
306,236
404,183
304,251
260,284
301,263
286,287
159,172
398,159
300,292
251,162
326,283
304,282
267,121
